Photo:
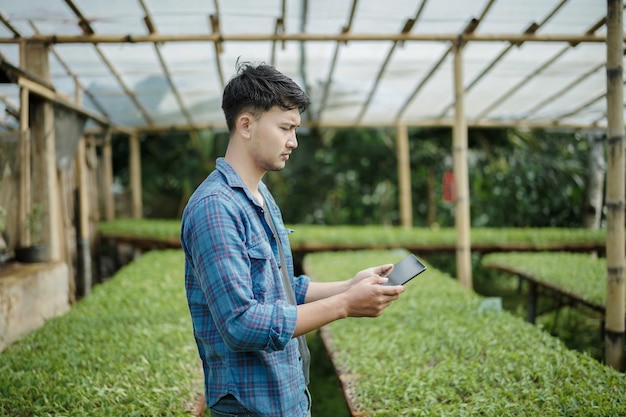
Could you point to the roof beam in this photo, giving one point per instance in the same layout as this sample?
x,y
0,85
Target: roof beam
x,y
8,25
168,76
84,24
318,37
469,29
518,86
488,124
408,26
532,29
93,99
564,90
18,35
89,32
219,47
582,107
124,86
333,64
279,28
51,95
507,94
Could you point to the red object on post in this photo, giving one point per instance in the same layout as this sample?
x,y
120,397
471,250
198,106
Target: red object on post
x,y
449,187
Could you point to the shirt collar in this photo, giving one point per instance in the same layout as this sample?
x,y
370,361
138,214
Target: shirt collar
x,y
234,180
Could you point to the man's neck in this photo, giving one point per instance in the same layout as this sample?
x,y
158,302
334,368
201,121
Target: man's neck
x,y
247,171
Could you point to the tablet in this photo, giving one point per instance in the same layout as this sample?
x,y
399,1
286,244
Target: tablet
x,y
405,270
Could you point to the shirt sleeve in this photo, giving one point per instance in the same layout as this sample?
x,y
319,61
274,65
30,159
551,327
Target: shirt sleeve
x,y
301,287
224,264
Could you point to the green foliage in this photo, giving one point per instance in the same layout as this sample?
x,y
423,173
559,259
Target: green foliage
x,y
342,177
530,180
579,274
433,353
309,236
172,166
125,350
349,176
325,388
159,229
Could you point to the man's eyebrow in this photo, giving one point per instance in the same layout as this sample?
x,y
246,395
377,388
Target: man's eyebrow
x,y
290,124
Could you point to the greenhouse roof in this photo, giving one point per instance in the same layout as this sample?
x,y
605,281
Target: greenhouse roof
x,y
156,64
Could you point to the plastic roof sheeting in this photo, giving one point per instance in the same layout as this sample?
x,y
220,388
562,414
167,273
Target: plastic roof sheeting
x,y
178,82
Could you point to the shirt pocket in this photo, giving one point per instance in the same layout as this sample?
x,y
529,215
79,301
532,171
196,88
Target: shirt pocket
x,y
261,261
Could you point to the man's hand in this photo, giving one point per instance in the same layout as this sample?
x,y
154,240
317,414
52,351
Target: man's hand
x,y
380,270
367,298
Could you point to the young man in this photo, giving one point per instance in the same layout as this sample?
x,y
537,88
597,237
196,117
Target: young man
x,y
248,325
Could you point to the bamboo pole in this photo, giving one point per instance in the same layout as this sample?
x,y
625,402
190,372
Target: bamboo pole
x,y
84,255
459,155
404,176
444,122
85,276
135,175
97,38
614,327
24,199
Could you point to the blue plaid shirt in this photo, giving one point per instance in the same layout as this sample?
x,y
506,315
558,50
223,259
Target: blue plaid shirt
x,y
242,321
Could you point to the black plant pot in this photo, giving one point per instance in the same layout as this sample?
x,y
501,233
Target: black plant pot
x,y
34,253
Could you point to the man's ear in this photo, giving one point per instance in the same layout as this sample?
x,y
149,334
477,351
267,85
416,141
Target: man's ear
x,y
244,122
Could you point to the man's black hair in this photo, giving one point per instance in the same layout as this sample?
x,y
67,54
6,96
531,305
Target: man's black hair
x,y
259,88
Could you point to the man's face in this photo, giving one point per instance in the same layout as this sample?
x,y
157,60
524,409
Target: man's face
x,y
273,138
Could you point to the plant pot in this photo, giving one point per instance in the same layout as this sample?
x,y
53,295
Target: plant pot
x,y
32,254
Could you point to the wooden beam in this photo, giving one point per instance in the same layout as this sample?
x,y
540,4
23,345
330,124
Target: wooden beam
x,y
316,37
421,84
530,30
218,47
84,24
168,76
24,196
56,98
79,85
408,25
563,90
329,78
45,180
8,25
125,87
89,32
447,122
519,85
469,29
279,28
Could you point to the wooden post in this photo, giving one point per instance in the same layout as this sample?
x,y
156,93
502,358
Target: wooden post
x,y
614,328
84,273
107,177
83,286
404,176
44,169
135,175
24,196
459,155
